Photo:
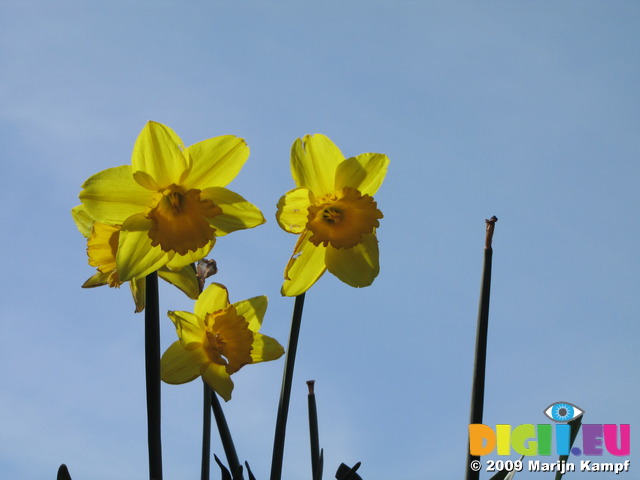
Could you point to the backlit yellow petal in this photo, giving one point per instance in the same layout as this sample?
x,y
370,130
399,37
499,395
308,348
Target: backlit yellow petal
x,y
217,378
102,246
82,219
179,365
265,348
176,262
215,297
190,329
136,257
101,249
314,160
304,268
158,153
97,280
253,311
364,172
112,195
215,162
139,292
357,266
293,209
185,279
237,213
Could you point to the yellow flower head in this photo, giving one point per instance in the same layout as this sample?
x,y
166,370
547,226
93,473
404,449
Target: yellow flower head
x,y
334,213
217,340
170,202
102,248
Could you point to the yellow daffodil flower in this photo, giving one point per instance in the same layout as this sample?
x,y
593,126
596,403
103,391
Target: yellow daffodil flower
x,y
170,202
217,340
102,247
334,213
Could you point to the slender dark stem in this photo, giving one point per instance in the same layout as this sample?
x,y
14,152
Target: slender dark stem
x,y
152,361
225,435
206,432
313,432
63,473
285,394
479,367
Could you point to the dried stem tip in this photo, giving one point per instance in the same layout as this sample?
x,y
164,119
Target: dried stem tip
x,y
491,224
206,267
310,384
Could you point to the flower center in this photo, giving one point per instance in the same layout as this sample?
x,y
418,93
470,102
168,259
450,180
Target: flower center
x,y
101,249
181,220
229,340
341,218
332,215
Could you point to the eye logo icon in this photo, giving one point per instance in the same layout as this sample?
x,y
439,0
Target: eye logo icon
x,y
563,412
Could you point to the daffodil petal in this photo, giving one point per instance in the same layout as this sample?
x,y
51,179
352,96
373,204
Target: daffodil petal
x,y
145,180
176,262
217,378
265,348
139,292
215,297
293,209
237,213
82,219
215,162
356,266
102,246
304,268
364,172
179,365
314,160
158,153
189,329
185,279
136,257
112,195
253,311
97,280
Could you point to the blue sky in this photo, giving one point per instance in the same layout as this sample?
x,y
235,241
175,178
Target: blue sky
x,y
524,110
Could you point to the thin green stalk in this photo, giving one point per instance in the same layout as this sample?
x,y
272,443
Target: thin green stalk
x,y
285,394
225,436
477,391
206,432
152,363
313,432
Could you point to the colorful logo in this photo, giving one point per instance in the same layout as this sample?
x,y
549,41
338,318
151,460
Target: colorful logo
x,y
563,412
532,440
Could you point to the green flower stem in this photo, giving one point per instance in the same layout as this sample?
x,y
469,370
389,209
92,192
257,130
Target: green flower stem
x,y
313,432
225,436
206,433
152,362
479,367
285,394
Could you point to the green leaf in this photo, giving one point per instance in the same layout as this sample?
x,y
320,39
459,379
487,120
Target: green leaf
x,y
251,476
223,470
